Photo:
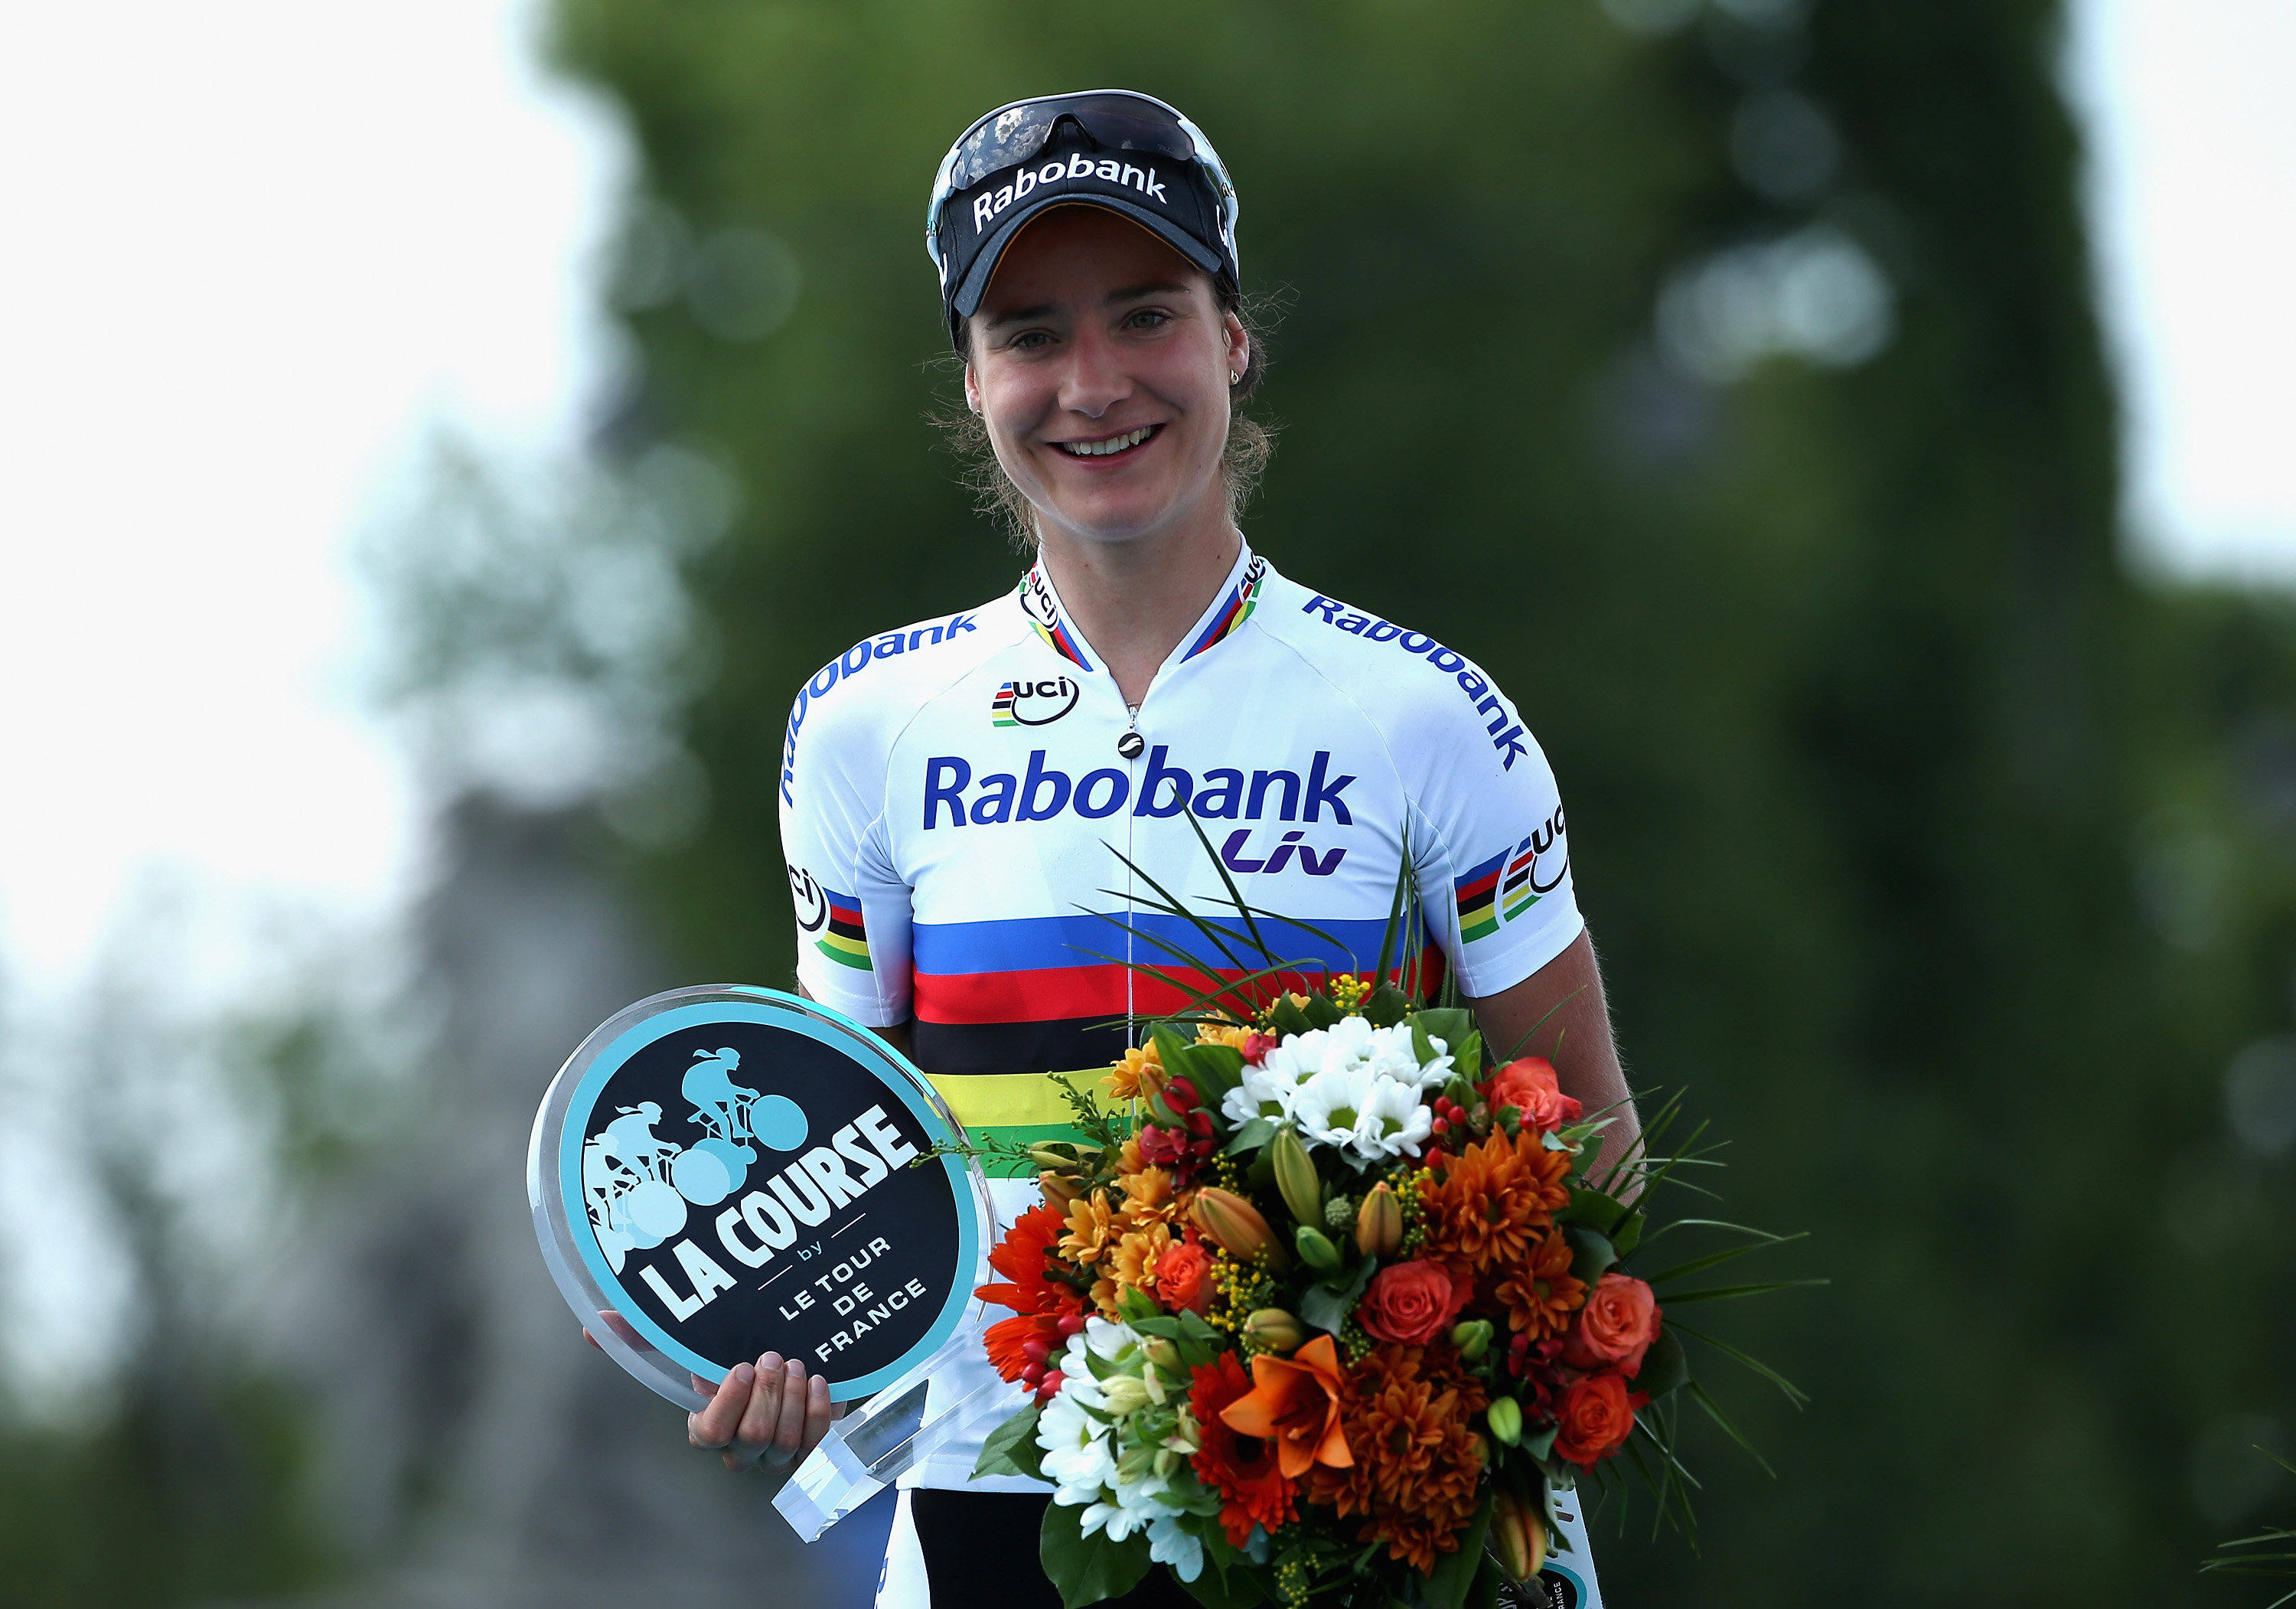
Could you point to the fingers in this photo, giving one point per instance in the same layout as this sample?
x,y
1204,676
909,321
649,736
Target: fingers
x,y
714,1427
818,1414
763,1420
798,1393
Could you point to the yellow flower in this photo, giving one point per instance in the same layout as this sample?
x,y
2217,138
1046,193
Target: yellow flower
x,y
1133,1262
1137,1076
1091,1226
1148,1197
1231,1034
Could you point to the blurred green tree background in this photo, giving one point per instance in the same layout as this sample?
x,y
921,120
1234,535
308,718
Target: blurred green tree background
x,y
1724,374
1727,380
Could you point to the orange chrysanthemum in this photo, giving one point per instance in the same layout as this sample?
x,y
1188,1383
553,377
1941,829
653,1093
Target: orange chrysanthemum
x,y
1136,1076
1495,1196
1149,1197
1131,1263
1540,1292
1091,1226
1405,1411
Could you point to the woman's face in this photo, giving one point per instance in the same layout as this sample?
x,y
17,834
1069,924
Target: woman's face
x,y
1101,361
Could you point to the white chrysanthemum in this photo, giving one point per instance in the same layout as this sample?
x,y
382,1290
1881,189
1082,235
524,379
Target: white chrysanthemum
x,y
1078,1456
1135,1509
1171,1543
1393,1121
1329,1105
1267,1091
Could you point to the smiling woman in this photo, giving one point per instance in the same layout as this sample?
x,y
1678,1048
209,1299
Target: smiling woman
x,y
1065,234
955,793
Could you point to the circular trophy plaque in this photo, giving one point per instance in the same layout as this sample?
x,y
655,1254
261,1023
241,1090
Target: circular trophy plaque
x,y
724,1171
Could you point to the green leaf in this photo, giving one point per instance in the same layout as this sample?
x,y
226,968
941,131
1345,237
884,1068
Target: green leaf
x,y
1593,1209
1714,1259
1087,1568
1322,1012
1176,1054
1011,1449
1221,1590
1455,1572
1219,1068
1592,1254
1628,1235
1730,1292
1288,1018
1251,1137
1327,1306
1454,1026
1385,1007
1666,1367
1467,1057
1794,1393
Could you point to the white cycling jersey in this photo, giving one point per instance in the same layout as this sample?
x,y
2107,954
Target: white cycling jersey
x,y
960,797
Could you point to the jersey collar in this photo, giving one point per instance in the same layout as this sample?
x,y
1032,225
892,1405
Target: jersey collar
x,y
1231,606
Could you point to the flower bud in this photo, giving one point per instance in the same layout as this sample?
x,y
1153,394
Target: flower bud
x,y
1134,1465
1379,1223
1517,1537
1474,1339
1295,1177
1234,1225
1505,1417
1129,1394
1057,1154
1316,1248
1059,1189
1164,1353
1272,1330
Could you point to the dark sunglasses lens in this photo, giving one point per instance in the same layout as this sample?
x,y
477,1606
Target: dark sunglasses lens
x,y
1115,122
1003,142
1126,125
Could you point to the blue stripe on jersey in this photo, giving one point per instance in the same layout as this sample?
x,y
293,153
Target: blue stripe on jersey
x,y
1036,943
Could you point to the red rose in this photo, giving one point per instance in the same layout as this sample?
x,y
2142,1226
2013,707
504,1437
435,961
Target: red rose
x,y
1529,1086
1410,1303
1597,1416
1184,1278
1616,1326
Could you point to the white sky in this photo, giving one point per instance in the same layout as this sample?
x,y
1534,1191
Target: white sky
x,y
254,247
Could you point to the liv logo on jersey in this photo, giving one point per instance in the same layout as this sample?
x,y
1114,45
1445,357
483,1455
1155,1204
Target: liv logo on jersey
x,y
846,941
1033,703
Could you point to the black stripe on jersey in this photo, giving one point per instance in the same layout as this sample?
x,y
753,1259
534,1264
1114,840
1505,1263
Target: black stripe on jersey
x,y
1058,1047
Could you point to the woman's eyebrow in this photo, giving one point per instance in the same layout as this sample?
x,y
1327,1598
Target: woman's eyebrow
x,y
1154,288
1022,315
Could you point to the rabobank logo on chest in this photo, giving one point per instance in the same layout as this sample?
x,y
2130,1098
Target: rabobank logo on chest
x,y
1506,732
953,796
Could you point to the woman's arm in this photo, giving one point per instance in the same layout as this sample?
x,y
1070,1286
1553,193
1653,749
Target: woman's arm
x,y
1559,1012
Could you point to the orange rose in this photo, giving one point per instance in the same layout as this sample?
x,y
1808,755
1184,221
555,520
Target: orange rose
x,y
1410,1303
1184,1278
1597,1416
1616,1326
1531,1086
1294,1402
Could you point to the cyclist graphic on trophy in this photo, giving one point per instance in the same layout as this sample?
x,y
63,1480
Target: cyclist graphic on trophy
x,y
637,1185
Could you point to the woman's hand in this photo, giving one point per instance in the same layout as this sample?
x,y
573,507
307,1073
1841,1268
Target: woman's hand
x,y
767,1413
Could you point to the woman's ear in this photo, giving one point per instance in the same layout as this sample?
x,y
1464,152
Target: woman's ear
x,y
972,389
1239,344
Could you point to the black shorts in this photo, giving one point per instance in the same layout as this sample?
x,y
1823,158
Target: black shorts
x,y
981,1553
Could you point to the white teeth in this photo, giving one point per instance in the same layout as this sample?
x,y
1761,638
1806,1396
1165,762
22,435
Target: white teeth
x,y
1102,450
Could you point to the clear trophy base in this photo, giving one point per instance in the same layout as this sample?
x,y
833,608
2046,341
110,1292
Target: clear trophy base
x,y
885,1437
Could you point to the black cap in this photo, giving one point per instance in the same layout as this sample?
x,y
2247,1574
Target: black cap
x,y
1183,199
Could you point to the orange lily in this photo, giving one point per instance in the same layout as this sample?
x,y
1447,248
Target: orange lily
x,y
1294,1402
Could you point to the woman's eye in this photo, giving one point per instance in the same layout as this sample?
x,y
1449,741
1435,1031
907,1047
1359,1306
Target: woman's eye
x,y
1029,340
1149,318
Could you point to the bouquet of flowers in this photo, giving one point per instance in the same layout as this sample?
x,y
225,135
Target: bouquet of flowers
x,y
1323,1304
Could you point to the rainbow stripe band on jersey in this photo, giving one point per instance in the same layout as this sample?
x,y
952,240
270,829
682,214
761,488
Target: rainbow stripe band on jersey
x,y
846,940
1478,899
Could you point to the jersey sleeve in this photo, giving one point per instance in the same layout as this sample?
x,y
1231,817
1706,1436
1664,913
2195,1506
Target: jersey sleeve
x,y
853,912
1494,855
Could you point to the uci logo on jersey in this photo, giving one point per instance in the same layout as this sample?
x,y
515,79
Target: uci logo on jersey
x,y
1023,703
812,904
